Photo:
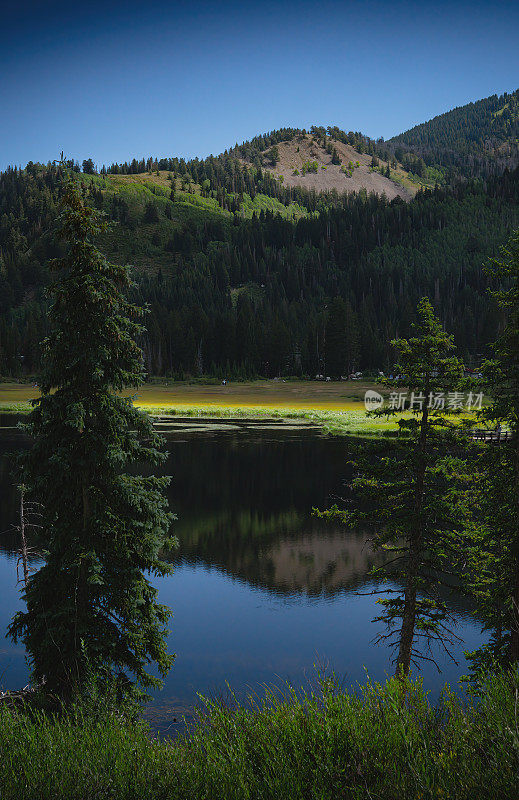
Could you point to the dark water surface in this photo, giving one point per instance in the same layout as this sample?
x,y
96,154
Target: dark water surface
x,y
262,592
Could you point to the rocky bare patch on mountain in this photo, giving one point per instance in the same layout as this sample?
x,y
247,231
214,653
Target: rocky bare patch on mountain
x,y
304,162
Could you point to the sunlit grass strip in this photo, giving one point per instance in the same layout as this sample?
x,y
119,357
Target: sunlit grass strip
x,y
338,423
16,407
352,421
335,422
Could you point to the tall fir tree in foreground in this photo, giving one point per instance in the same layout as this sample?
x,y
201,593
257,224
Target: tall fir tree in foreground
x,y
91,612
493,537
413,489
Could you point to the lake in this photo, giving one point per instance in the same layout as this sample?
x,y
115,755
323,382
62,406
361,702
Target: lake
x,y
262,592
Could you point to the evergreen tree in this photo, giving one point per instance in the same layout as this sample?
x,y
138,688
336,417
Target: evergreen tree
x,y
273,155
90,608
352,339
490,556
494,536
414,488
89,166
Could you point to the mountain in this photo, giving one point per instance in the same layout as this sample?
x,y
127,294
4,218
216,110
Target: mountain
x,y
293,164
328,164
475,140
247,266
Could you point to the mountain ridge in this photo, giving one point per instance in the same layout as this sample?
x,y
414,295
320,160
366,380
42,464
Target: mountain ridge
x,y
477,139
243,273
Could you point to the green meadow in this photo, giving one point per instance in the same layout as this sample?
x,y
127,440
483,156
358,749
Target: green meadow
x,y
337,407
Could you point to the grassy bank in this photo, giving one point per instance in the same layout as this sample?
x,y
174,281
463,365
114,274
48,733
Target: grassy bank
x,y
337,407
382,742
338,423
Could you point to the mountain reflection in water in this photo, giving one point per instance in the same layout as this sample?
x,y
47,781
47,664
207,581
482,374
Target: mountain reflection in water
x,y
245,507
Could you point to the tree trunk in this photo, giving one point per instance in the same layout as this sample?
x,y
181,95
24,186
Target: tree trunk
x,y
22,534
403,663
86,503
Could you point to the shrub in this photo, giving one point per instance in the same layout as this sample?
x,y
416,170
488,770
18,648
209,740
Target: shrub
x,y
309,166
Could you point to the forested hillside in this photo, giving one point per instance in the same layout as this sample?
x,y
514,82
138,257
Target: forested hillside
x,y
247,274
233,294
478,139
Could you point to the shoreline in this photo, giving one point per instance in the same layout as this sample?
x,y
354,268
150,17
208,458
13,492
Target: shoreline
x,y
335,407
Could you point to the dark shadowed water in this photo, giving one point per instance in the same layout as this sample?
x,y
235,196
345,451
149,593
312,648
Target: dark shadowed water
x,y
262,591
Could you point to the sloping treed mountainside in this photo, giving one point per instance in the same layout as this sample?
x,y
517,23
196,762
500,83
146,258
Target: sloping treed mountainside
x,y
247,274
478,139
295,165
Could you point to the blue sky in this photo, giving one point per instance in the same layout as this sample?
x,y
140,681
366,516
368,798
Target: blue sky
x,y
116,80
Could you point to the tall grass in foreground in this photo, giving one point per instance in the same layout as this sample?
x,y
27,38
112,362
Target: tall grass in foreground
x,y
381,742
